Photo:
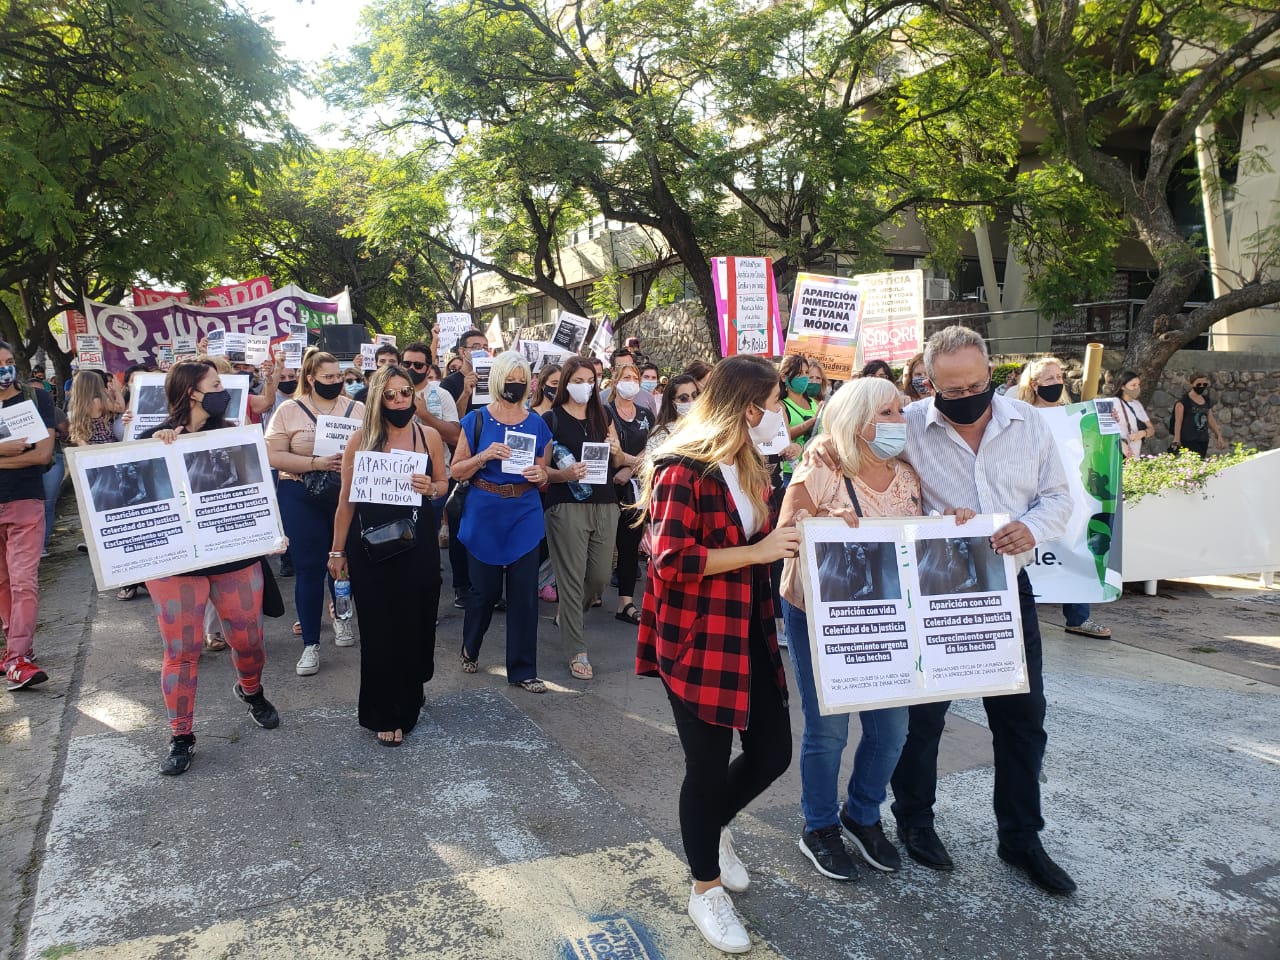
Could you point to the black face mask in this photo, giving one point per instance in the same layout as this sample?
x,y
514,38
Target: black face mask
x,y
966,409
417,376
215,404
549,394
398,418
1050,392
328,391
288,386
513,392
1203,394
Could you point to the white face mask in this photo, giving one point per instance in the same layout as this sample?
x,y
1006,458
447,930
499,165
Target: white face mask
x,y
770,423
628,389
683,408
580,392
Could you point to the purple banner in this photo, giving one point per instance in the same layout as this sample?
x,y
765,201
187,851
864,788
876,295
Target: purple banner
x,y
135,334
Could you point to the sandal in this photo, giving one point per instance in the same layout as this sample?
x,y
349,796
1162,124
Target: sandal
x,y
127,593
533,685
580,667
628,614
1090,628
598,602
396,738
297,628
469,664
214,642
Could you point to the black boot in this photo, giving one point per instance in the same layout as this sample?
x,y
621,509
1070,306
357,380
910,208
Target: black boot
x,y
180,750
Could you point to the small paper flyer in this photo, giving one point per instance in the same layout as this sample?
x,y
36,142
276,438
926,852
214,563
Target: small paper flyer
x,y
523,452
596,457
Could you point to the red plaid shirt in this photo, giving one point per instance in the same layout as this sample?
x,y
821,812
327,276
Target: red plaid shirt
x,y
694,628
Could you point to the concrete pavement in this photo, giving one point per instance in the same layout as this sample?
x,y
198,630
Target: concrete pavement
x,y
512,825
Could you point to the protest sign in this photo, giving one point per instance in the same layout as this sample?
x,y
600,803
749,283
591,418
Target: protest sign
x,y
386,477
22,421
380,338
602,343
185,346
368,360
493,335
539,353
164,357
480,363
151,510
596,457
257,350
570,332
147,403
89,352
825,316
295,346
747,306
227,343
777,443
236,384
133,335
892,315
910,610
452,326
523,451
1083,565
332,434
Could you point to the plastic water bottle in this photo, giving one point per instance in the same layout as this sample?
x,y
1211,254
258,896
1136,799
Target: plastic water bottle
x,y
343,608
563,459
434,406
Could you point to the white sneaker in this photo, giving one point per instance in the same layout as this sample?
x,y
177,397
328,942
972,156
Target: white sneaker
x,y
713,914
309,662
733,872
344,634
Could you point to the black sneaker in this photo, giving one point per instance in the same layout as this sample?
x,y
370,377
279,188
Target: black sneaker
x,y
875,848
460,599
825,849
286,566
500,605
180,750
260,708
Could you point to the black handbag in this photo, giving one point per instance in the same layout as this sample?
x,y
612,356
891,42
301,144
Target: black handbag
x,y
272,601
388,540
323,485
458,495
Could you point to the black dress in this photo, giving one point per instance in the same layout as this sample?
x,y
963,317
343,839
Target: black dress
x,y
397,602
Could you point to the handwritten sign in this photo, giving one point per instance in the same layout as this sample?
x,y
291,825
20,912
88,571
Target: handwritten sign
x,y
367,359
892,315
452,326
386,478
332,434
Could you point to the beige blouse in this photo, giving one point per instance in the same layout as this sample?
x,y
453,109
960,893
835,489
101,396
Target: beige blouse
x,y
827,491
290,422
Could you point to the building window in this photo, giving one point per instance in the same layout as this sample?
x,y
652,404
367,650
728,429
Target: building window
x,y
535,311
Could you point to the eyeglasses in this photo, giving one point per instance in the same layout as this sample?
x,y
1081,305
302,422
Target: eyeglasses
x,y
958,393
686,397
404,393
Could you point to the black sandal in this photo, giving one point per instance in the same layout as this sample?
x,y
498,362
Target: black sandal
x,y
469,665
628,614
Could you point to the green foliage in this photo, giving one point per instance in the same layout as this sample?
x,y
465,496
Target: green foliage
x,y
1002,371
1181,472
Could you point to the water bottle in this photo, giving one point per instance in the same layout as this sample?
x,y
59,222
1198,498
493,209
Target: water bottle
x,y
343,608
434,406
563,459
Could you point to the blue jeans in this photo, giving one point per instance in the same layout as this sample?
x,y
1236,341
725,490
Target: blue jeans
x,y
309,526
824,739
521,581
53,478
1075,613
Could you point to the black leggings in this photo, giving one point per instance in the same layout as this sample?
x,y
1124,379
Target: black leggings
x,y
628,545
714,790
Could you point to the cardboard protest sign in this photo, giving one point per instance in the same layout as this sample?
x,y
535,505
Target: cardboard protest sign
x,y
150,509
910,610
570,332
825,317
747,306
892,315
386,478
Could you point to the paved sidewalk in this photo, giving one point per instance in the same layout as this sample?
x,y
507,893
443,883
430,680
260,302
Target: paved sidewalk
x,y
517,826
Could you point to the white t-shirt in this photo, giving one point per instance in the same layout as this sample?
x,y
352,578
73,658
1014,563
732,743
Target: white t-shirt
x,y
747,513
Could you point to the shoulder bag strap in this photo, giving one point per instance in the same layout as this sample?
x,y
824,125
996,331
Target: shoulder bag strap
x,y
853,496
307,411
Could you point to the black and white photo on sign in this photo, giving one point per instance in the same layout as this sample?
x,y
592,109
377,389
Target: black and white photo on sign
x,y
523,452
23,421
481,363
223,468
570,332
151,400
120,485
596,457
5,432
852,572
959,565
237,384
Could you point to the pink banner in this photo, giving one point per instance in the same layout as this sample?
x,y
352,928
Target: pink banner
x,y
224,296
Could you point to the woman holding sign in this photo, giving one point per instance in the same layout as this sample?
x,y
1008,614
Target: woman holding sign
x,y
397,596
502,523
707,628
197,401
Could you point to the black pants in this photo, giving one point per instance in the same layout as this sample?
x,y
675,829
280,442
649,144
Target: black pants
x,y
1201,447
714,790
628,546
1017,735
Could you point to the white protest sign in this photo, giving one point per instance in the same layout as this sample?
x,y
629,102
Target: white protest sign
x,y
452,326
150,509
602,343
596,457
523,451
332,434
22,421
185,345
892,315
147,403
164,356
367,359
89,352
779,442
380,338
386,478
237,384
257,350
570,332
539,353
480,363
295,346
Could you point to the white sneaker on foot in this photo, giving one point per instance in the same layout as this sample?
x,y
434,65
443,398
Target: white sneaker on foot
x,y
309,662
716,919
344,634
733,872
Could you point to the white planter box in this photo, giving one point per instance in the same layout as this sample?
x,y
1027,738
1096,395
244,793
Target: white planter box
x,y
1236,529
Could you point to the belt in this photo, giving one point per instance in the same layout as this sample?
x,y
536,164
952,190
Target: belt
x,y
507,490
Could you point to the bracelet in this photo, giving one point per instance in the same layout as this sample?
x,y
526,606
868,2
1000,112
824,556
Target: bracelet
x,y
337,553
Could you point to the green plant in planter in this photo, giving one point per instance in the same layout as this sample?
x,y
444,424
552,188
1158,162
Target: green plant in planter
x,y
1183,471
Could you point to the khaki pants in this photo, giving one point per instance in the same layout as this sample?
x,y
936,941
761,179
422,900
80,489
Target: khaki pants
x,y
580,538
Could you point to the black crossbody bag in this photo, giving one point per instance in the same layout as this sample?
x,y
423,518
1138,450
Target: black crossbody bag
x,y
323,485
390,539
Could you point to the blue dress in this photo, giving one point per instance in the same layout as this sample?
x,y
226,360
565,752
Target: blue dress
x,y
500,530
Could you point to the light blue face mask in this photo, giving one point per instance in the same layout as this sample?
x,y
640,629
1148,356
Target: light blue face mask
x,y
891,440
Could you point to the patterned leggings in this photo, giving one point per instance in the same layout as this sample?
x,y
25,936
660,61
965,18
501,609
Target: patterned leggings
x,y
180,604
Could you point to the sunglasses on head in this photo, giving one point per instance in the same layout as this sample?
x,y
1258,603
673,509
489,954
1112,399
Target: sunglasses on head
x,y
404,393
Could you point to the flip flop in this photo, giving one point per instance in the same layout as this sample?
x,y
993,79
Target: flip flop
x,y
127,593
297,628
393,742
580,667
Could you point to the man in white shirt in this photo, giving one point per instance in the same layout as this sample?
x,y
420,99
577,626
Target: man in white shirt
x,y
991,454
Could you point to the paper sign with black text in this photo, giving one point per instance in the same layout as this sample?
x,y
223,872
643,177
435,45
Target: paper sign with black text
x,y
332,434
386,478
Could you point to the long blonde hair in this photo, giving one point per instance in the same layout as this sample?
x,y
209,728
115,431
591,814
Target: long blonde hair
x,y
1031,377
715,430
85,389
848,413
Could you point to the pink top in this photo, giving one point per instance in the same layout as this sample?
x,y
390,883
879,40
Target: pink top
x,y
827,491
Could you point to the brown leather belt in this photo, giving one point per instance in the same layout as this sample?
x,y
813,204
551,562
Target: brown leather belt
x,y
508,490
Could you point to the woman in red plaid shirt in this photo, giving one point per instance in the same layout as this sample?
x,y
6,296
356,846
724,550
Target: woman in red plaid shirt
x,y
707,627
